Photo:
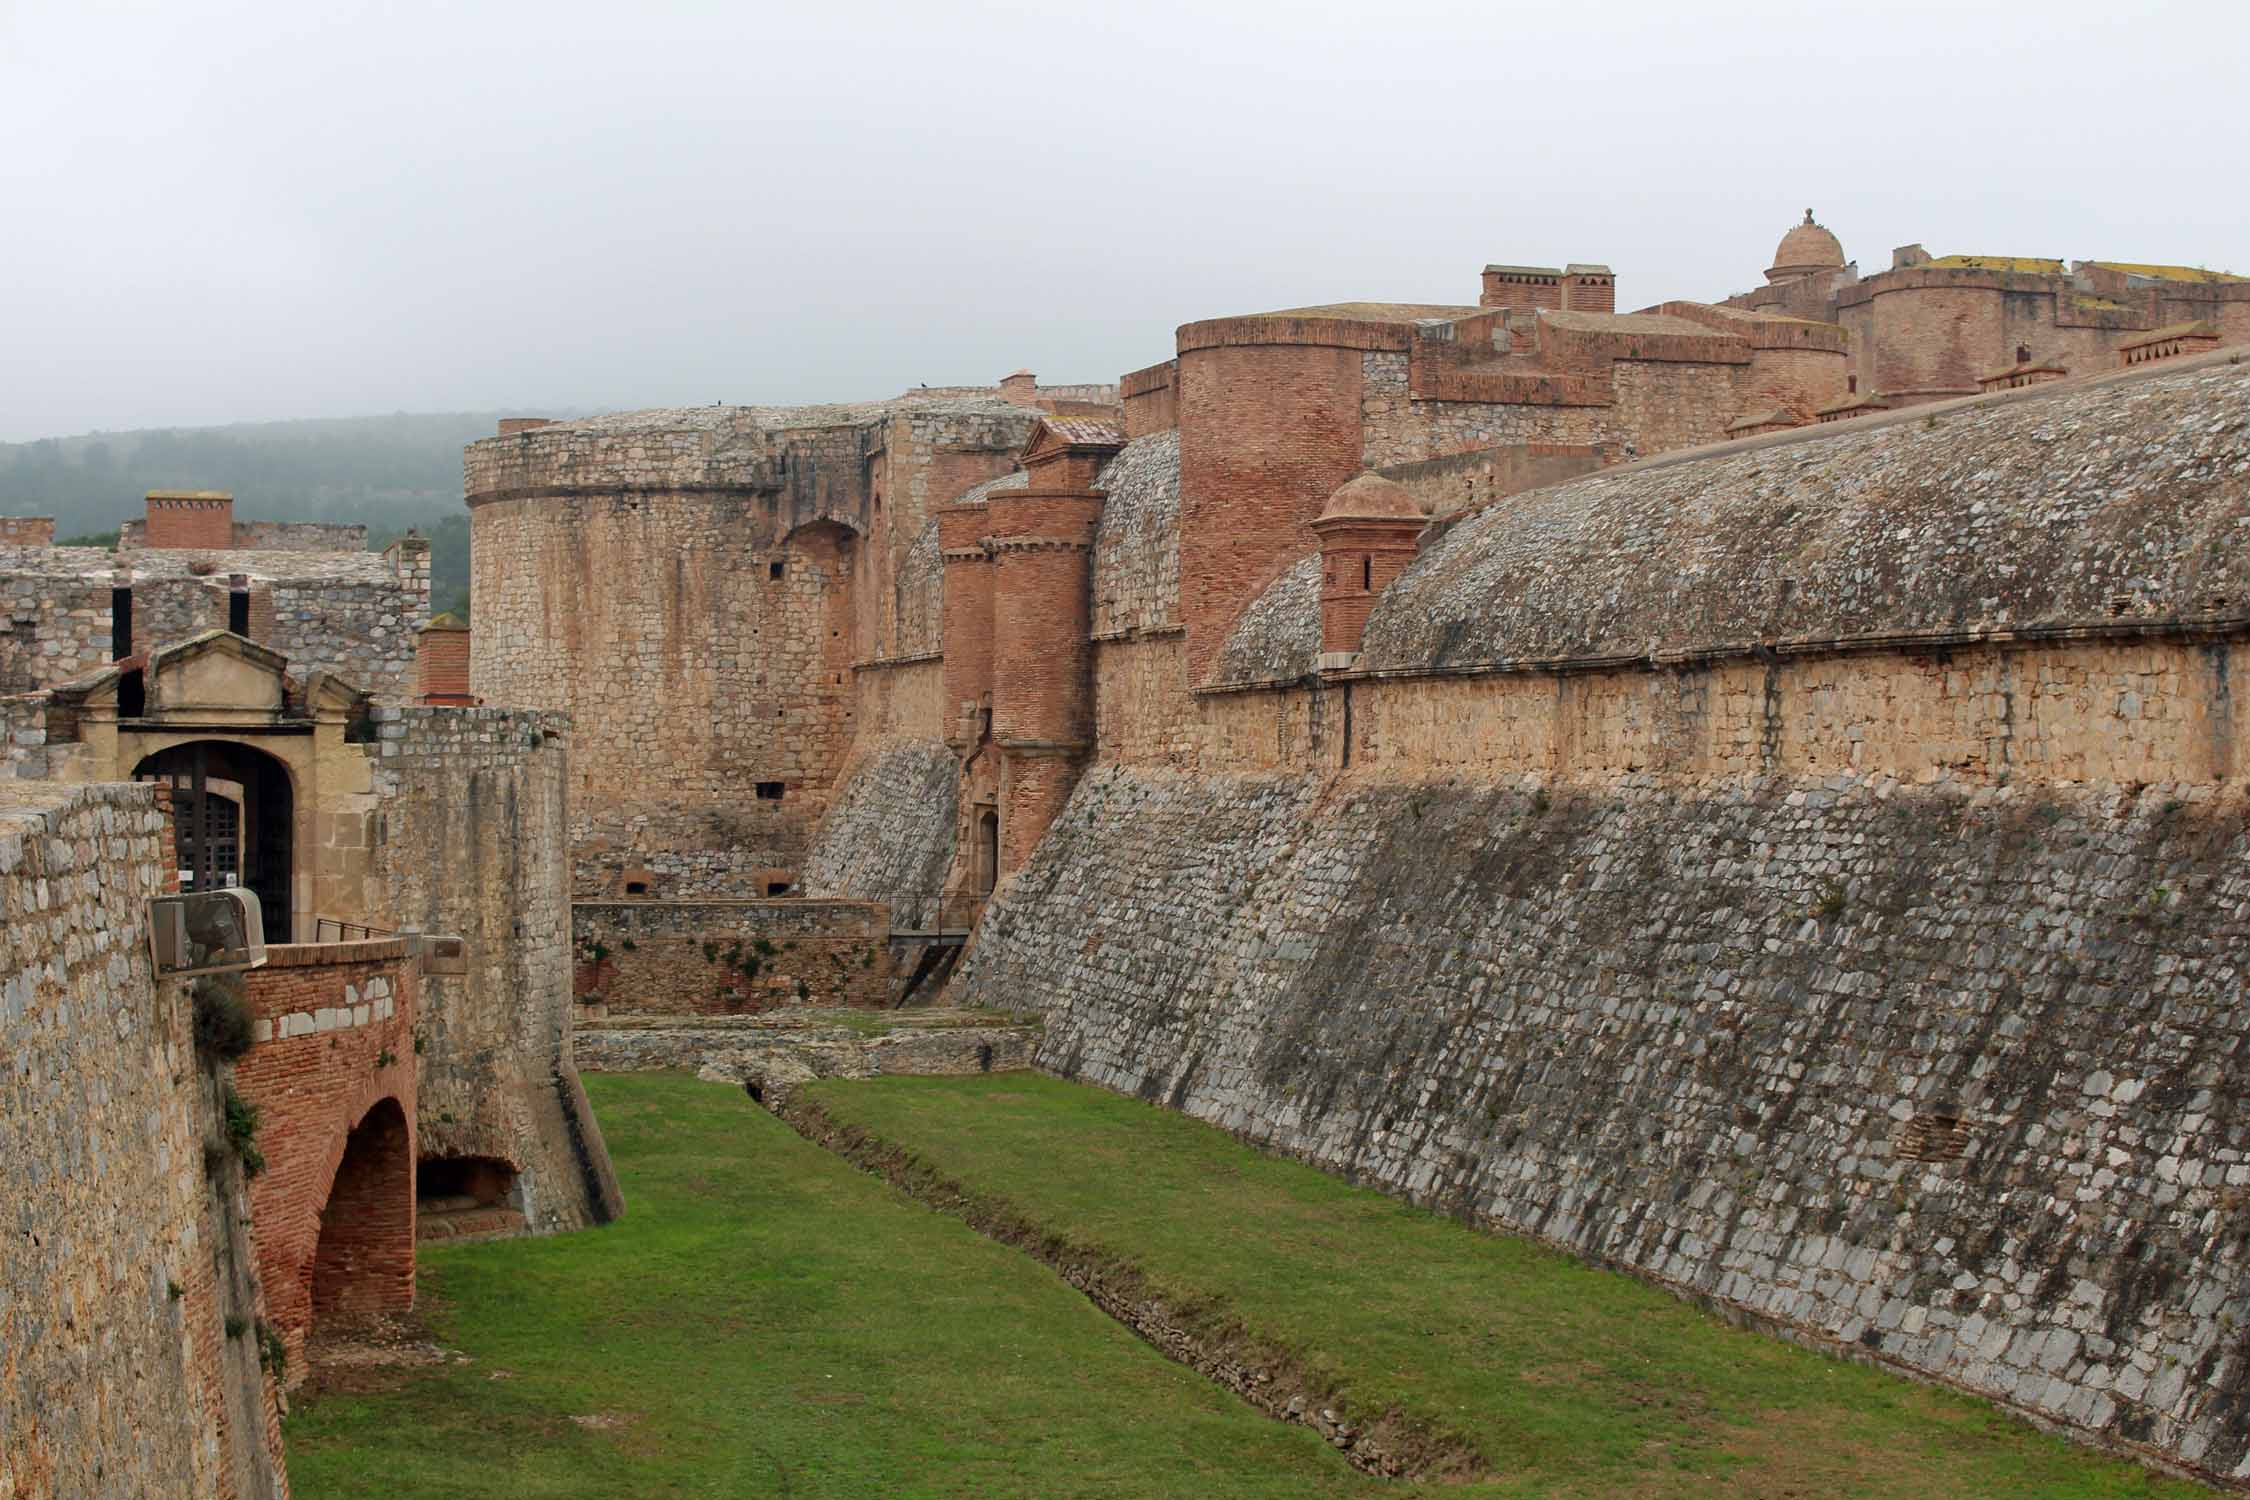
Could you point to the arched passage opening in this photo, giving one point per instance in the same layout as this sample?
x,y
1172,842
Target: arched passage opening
x,y
363,1262
460,1197
234,814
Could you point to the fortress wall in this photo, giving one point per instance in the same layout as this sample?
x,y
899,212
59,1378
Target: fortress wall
x,y
1662,406
473,843
1944,1075
1935,339
362,632
918,599
689,671
297,536
1464,481
730,957
891,832
929,457
1136,561
120,1253
900,700
51,628
1399,429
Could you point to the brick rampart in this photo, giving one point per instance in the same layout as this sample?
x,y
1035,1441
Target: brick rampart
x,y
334,1065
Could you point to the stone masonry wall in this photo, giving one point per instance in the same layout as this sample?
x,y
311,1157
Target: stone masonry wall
x,y
890,835
51,629
474,843
116,1377
730,957
1948,1074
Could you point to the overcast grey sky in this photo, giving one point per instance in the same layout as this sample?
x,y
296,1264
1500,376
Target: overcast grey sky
x,y
224,212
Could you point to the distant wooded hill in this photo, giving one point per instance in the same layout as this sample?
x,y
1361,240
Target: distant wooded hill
x,y
388,472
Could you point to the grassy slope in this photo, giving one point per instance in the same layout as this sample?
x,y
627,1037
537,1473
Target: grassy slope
x,y
781,1325
1571,1381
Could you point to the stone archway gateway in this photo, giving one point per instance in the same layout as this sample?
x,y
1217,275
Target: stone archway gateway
x,y
234,812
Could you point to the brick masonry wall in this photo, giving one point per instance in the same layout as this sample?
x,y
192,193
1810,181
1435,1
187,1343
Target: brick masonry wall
x,y
27,531
475,843
730,957
117,1377
1267,433
335,1026
1941,1075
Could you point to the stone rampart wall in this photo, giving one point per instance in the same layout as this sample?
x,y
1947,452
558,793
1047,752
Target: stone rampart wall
x,y
51,629
689,685
364,633
1944,1074
891,833
730,957
1136,561
116,1376
900,700
474,843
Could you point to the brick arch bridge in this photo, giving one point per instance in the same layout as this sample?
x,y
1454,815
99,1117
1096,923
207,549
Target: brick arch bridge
x,y
332,1074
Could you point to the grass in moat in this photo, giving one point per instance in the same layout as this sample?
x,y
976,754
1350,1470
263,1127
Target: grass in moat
x,y
1570,1381
768,1321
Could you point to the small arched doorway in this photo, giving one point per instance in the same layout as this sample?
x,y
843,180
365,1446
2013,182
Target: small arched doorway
x,y
988,851
234,815
363,1263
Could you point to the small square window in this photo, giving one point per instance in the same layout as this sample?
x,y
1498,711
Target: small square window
x,y
773,570
636,887
777,887
769,791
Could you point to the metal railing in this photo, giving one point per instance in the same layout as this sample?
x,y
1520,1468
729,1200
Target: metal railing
x,y
936,915
337,930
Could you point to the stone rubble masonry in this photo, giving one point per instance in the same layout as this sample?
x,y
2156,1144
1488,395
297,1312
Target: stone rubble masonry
x,y
1941,1075
890,836
353,614
769,548
475,844
730,957
335,1025
781,1051
115,1249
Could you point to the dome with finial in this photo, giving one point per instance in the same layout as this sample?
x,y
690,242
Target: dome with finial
x,y
1371,497
1806,250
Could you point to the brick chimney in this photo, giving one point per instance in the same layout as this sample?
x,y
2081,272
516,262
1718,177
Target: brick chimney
x,y
1589,289
1020,389
189,520
1368,533
441,661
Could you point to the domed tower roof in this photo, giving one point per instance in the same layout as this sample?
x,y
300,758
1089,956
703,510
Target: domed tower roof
x,y
1371,497
1804,251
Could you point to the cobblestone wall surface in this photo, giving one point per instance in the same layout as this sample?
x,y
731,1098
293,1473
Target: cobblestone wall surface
x,y
1137,540
890,834
2120,501
730,957
54,625
1947,1075
115,1377
473,843
1278,637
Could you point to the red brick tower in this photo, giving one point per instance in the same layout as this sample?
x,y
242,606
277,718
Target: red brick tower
x,y
1368,533
1041,539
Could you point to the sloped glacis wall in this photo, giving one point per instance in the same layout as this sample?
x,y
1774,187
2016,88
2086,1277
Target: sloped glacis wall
x,y
1951,1076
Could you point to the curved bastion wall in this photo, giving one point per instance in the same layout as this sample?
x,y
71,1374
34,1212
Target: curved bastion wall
x,y
695,589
